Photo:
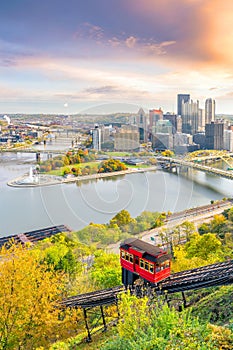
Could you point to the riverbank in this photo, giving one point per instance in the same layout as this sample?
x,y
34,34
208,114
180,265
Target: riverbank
x,y
48,180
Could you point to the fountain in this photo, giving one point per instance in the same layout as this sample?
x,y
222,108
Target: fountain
x,y
31,179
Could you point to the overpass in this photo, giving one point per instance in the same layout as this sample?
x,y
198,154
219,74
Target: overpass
x,y
170,163
34,150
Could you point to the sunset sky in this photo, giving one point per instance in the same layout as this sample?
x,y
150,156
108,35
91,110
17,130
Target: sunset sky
x,y
90,56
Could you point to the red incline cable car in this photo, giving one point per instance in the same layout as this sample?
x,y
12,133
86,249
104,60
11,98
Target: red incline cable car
x,y
143,260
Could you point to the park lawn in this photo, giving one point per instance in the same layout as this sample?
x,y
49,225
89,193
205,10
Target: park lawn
x,y
59,172
118,154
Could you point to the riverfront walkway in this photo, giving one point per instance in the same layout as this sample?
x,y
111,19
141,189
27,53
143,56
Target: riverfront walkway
x,y
48,180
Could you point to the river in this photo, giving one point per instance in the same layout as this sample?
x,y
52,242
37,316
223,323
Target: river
x,y
25,209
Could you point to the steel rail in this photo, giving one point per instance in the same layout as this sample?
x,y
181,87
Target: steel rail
x,y
207,276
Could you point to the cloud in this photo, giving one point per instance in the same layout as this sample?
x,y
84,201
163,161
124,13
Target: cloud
x,y
90,31
101,90
202,30
131,42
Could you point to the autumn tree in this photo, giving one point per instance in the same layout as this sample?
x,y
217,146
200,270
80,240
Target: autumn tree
x,y
111,165
29,295
200,250
122,218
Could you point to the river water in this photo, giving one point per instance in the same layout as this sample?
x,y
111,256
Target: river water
x,y
25,209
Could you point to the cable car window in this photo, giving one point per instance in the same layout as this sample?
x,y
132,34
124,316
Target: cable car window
x,y
123,254
127,256
131,258
141,263
157,268
151,268
136,260
146,266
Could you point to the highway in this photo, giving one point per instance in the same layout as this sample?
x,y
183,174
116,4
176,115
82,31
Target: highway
x,y
196,215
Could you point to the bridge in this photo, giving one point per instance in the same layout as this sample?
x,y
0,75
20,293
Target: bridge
x,y
34,150
170,163
209,155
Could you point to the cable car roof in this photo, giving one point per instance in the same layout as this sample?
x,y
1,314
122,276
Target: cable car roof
x,y
141,246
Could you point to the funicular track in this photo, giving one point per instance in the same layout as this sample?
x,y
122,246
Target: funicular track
x,y
97,298
33,236
203,277
211,275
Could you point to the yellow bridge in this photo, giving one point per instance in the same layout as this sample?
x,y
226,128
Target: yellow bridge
x,y
196,159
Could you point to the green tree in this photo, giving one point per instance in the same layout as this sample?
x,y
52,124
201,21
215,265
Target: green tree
x,y
204,246
106,270
122,218
188,228
217,223
158,327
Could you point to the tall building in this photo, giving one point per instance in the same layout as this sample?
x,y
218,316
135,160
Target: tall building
x,y
162,126
228,140
176,121
214,135
201,120
96,138
154,116
142,122
190,117
162,141
181,98
209,110
127,138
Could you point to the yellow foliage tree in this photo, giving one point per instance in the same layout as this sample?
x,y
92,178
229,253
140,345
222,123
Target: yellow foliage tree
x,y
29,297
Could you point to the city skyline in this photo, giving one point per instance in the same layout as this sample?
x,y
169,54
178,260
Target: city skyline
x,y
74,57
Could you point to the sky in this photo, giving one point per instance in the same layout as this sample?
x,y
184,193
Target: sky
x,y
105,56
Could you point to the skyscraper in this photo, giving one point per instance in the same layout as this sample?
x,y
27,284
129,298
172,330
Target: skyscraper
x,y
190,116
127,138
209,110
180,98
214,135
96,138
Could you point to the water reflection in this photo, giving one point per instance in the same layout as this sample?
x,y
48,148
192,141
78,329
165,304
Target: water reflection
x,y
77,204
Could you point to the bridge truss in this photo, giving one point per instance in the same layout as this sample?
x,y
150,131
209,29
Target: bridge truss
x,y
208,155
